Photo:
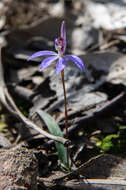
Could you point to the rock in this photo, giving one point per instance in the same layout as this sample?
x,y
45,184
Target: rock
x,y
18,169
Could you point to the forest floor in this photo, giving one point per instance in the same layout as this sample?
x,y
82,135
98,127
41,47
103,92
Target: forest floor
x,y
96,32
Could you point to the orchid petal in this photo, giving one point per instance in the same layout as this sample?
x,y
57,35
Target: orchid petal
x,y
41,53
63,31
60,65
48,61
76,60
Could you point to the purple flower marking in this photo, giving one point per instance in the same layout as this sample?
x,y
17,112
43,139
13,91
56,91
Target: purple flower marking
x,y
60,46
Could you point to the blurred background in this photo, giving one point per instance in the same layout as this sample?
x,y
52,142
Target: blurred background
x,y
96,31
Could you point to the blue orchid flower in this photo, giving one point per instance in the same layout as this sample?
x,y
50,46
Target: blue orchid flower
x,y
60,46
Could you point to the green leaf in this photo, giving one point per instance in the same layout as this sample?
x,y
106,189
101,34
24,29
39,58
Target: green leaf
x,y
107,143
55,130
3,126
122,127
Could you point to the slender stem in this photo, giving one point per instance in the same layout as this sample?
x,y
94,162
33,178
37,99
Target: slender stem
x,y
66,115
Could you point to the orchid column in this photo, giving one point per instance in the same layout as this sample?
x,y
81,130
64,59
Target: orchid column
x,y
60,46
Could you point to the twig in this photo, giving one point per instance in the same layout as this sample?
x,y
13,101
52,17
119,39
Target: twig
x,y
73,174
76,124
8,102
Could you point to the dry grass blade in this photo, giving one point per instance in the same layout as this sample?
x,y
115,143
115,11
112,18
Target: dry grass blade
x,y
7,101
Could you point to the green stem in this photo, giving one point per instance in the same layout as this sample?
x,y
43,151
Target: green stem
x,y
66,115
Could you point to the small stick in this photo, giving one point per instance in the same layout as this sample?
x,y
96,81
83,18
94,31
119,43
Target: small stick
x,y
8,102
66,115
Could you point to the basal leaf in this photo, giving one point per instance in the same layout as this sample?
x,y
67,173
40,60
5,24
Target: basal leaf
x,y
55,130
